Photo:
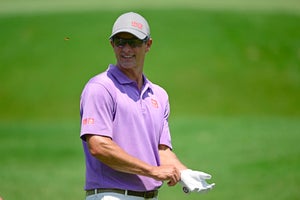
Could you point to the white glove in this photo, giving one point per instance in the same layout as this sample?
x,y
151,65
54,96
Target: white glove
x,y
195,181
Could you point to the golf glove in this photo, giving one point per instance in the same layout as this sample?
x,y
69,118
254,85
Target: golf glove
x,y
195,181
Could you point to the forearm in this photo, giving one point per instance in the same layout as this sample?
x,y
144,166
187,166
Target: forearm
x,y
108,152
168,157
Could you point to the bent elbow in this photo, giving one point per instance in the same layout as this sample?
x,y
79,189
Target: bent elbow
x,y
97,146
93,151
97,150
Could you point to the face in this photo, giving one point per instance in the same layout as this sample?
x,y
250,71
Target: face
x,y
130,57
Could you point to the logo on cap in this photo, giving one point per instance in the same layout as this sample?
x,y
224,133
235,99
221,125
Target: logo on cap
x,y
137,25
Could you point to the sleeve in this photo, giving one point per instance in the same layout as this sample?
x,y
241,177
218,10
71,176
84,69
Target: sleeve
x,y
96,111
165,137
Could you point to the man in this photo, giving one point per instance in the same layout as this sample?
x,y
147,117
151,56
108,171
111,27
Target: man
x,y
124,125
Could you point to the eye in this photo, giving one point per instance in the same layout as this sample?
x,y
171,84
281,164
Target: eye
x,y
134,42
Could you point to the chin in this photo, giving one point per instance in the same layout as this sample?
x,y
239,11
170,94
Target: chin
x,y
127,65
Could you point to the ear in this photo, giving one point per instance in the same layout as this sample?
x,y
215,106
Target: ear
x,y
111,43
148,45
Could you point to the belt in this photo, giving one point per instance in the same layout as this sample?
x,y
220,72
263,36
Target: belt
x,y
146,195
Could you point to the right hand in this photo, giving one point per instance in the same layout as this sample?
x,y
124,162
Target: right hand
x,y
166,173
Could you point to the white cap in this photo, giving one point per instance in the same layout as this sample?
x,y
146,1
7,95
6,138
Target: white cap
x,y
131,23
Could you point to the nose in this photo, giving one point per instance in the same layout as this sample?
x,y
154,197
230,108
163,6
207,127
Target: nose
x,y
126,47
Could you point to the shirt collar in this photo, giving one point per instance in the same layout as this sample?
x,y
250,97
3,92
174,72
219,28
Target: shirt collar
x,y
123,79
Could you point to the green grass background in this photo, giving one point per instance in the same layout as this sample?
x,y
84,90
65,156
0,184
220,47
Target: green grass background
x,y
231,69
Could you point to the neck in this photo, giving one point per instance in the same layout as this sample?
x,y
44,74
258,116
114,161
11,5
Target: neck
x,y
135,75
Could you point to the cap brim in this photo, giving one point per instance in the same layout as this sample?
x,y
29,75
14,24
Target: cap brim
x,y
134,32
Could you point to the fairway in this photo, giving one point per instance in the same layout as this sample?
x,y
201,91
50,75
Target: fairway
x,y
42,6
231,68
250,158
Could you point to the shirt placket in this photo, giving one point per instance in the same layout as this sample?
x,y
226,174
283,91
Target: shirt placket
x,y
142,101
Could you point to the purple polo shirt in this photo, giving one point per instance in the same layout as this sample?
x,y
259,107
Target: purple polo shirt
x,y
111,105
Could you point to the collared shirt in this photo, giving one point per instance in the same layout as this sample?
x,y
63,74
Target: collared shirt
x,y
112,105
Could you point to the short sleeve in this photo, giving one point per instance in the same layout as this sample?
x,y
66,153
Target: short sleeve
x,y
165,137
96,111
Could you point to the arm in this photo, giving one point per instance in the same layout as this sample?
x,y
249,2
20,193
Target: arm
x,y
108,152
192,181
168,157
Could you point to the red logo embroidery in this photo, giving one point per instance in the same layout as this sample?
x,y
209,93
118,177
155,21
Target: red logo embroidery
x,y
137,25
88,121
154,103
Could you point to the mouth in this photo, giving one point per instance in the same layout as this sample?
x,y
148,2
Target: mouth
x,y
127,56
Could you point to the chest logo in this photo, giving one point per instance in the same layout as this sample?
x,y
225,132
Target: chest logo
x,y
154,103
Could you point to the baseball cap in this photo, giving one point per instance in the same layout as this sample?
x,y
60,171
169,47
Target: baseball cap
x,y
131,23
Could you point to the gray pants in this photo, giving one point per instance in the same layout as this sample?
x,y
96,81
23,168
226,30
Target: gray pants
x,y
115,196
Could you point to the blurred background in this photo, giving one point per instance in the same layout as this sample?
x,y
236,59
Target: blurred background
x,y
231,68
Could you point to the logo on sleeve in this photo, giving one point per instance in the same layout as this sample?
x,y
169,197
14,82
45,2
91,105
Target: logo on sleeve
x,y
88,121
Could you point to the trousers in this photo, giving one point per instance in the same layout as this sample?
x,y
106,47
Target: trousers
x,y
115,196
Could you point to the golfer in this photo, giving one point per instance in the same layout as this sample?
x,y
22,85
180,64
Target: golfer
x,y
124,125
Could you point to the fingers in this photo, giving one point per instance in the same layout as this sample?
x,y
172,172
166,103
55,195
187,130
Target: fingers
x,y
168,173
211,186
199,188
207,188
201,175
174,177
